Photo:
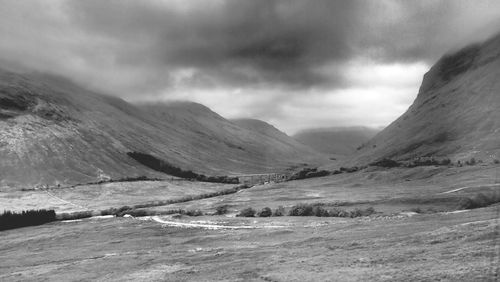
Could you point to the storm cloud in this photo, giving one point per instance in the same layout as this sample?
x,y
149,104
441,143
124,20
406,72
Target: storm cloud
x,y
274,60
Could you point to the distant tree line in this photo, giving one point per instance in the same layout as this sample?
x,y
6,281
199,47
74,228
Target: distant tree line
x,y
163,166
314,172
309,173
11,220
422,161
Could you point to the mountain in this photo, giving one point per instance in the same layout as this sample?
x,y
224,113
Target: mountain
x,y
339,141
455,114
270,132
56,132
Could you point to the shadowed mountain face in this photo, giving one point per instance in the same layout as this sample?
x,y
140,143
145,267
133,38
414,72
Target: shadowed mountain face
x,y
53,131
337,141
455,114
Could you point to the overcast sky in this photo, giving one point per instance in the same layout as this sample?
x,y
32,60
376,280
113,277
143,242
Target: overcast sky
x,y
294,63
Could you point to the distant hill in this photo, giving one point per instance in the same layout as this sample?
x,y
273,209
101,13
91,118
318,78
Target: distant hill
x,y
54,131
456,113
341,141
271,132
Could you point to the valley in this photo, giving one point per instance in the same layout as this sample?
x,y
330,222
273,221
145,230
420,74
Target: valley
x,y
393,244
94,187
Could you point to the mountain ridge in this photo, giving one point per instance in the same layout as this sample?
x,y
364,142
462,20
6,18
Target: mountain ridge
x,y
56,132
454,115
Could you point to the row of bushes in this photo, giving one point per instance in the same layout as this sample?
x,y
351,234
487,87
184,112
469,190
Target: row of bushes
x,y
307,210
75,215
316,210
265,212
11,220
142,212
388,163
162,166
131,209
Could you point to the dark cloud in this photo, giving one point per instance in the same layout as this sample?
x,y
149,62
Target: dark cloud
x,y
266,42
282,41
266,49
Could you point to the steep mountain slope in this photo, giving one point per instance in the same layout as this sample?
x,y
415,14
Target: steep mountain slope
x,y
341,141
270,132
261,151
455,113
53,131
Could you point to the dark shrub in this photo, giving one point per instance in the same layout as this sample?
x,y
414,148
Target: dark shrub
x,y
496,161
265,212
388,163
280,211
417,210
428,161
138,213
110,211
319,211
356,213
75,215
472,161
480,200
445,161
194,213
248,212
349,169
336,212
123,211
132,179
361,212
301,210
11,220
220,210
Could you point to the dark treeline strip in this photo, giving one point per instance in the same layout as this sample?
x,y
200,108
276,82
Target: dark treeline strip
x,y
309,173
163,166
11,220
422,161
314,172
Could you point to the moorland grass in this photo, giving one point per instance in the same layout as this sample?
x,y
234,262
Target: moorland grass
x,y
480,200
